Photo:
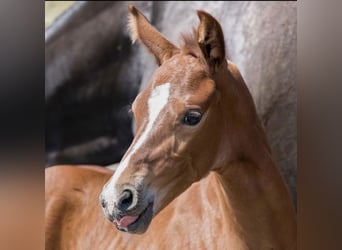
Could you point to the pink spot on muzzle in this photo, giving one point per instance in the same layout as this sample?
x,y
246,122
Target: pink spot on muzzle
x,y
126,221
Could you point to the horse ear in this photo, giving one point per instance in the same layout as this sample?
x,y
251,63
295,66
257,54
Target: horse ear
x,y
211,40
141,29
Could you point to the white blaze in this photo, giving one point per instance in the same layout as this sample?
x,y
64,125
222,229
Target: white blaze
x,y
156,102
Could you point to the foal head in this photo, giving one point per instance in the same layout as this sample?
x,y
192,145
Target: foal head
x,y
178,124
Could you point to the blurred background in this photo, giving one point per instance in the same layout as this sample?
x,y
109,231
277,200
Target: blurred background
x,y
93,72
54,9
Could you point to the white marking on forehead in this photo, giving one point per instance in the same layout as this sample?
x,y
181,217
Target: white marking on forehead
x,y
156,102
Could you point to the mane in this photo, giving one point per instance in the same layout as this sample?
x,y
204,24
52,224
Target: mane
x,y
190,45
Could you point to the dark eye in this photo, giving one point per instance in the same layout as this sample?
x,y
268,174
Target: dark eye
x,y
192,117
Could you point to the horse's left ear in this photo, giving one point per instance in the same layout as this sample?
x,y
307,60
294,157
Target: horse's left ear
x,y
154,41
211,40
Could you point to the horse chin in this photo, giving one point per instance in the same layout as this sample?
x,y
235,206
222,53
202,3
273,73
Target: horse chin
x,y
141,225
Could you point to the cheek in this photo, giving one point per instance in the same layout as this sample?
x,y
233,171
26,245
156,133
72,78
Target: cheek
x,y
174,175
201,144
174,157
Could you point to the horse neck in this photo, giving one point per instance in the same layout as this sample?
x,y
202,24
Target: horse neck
x,y
259,210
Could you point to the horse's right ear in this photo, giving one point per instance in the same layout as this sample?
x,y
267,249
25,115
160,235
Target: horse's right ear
x,y
141,29
211,40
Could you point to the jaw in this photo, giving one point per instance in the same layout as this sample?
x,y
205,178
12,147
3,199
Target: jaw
x,y
169,193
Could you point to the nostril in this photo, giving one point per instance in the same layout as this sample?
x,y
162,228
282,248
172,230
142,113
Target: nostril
x,y
103,203
125,200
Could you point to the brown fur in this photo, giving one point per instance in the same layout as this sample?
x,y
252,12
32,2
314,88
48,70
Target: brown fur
x,y
217,186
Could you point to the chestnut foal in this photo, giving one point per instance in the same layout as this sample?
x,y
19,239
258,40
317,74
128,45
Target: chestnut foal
x,y
199,173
